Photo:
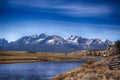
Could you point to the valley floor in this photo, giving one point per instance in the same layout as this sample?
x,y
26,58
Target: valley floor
x,y
18,57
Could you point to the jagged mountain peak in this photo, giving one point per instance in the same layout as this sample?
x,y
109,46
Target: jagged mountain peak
x,y
34,36
3,42
43,35
2,39
108,41
73,39
55,43
56,40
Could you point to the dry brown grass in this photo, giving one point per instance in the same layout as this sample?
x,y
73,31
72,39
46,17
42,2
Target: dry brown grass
x,y
14,57
91,71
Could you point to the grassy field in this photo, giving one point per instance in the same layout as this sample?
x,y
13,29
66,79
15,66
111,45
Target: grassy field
x,y
17,57
91,70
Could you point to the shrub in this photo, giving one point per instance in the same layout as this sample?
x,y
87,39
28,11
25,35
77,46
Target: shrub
x,y
117,47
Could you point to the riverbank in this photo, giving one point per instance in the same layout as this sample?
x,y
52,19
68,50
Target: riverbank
x,y
21,57
91,70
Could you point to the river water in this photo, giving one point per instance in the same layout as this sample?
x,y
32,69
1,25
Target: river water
x,y
37,70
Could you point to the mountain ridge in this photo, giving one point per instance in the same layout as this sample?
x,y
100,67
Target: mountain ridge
x,y
54,43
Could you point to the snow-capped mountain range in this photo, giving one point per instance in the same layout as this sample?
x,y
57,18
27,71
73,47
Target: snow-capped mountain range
x,y
46,43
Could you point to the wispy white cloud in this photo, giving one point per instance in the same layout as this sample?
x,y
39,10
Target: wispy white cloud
x,y
85,10
74,10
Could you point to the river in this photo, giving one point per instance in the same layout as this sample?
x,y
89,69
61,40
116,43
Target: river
x,y
37,70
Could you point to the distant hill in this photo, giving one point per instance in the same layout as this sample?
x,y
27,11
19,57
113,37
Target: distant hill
x,y
46,43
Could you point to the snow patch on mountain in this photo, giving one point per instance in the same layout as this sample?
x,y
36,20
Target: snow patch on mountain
x,y
73,40
41,39
46,43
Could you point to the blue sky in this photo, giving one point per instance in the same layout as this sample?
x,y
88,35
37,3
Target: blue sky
x,y
86,18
